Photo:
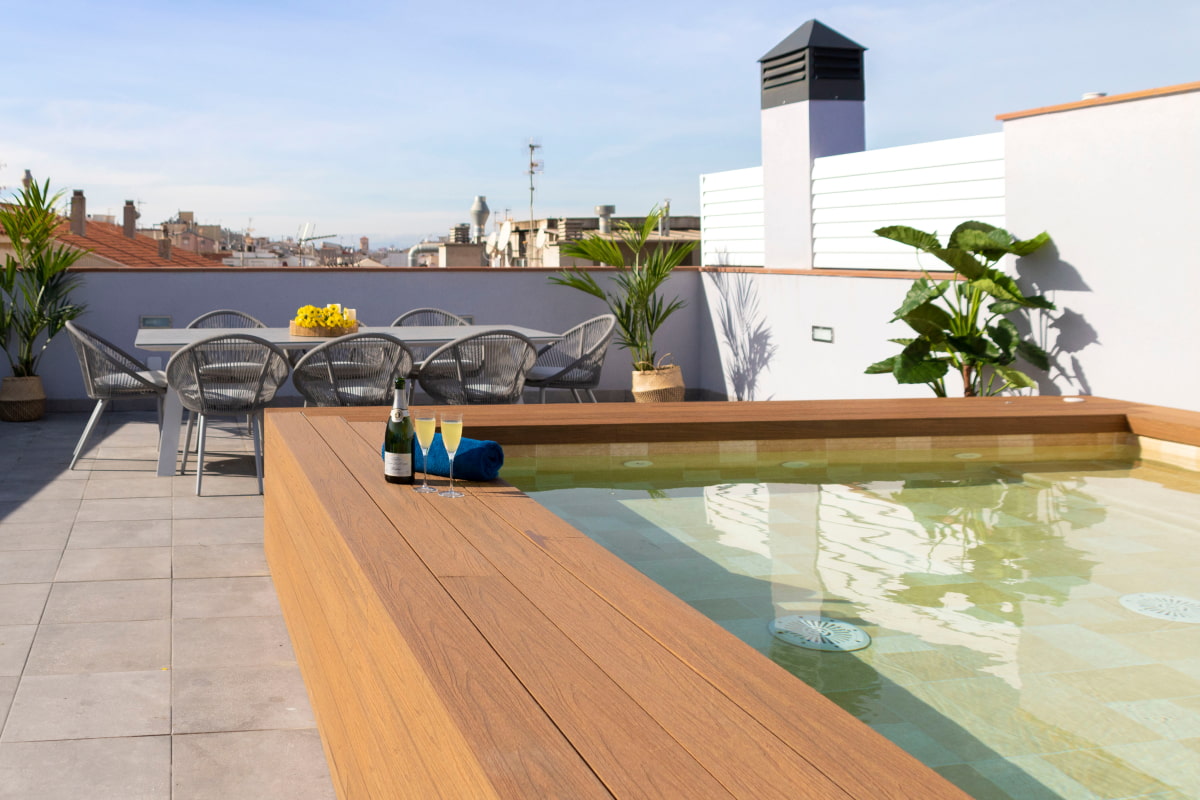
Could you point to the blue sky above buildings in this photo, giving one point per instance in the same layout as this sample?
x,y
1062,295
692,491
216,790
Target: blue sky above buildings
x,y
385,119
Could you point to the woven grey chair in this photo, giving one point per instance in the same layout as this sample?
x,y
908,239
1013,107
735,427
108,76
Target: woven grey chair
x,y
234,375
355,370
108,373
487,367
225,318
428,316
574,361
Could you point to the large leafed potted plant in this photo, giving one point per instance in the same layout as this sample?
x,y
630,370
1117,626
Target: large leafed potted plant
x,y
963,324
635,299
35,302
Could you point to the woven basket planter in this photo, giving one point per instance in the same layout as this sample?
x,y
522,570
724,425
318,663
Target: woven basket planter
x,y
300,330
22,399
658,385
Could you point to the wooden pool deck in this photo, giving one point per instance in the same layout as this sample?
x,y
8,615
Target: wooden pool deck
x,y
484,648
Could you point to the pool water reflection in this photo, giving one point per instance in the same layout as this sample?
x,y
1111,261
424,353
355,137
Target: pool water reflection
x,y
1001,654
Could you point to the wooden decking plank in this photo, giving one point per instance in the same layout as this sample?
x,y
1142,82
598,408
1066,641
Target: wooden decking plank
x,y
394,718
815,727
748,760
437,543
565,423
509,735
853,755
624,745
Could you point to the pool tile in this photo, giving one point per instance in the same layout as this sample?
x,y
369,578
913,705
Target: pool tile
x,y
1105,772
1127,684
917,743
971,781
1170,719
1098,650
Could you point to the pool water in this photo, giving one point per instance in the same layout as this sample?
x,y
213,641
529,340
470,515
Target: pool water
x,y
1001,654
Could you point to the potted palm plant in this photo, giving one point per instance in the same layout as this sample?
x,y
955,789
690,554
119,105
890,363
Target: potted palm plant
x,y
635,300
35,289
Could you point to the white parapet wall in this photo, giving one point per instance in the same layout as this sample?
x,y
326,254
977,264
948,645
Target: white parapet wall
x,y
931,186
731,218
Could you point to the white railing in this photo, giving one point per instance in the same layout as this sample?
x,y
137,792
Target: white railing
x,y
731,218
931,186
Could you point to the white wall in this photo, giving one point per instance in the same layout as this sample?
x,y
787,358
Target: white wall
x,y
1116,186
731,218
931,186
520,297
762,325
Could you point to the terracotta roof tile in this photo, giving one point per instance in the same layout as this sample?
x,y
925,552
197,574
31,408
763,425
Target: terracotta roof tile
x,y
109,243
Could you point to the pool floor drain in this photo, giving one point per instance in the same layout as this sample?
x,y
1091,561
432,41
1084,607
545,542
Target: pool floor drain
x,y
819,633
639,463
1164,606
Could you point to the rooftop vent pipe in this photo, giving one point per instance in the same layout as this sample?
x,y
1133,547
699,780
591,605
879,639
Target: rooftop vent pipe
x,y
417,249
605,214
479,217
129,223
78,213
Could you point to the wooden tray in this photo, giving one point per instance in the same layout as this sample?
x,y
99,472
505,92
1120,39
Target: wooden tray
x,y
300,330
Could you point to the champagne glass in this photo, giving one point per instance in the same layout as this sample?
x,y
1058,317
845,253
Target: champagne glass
x,y
425,422
452,423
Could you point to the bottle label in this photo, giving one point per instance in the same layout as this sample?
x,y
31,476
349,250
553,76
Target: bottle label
x,y
397,465
398,415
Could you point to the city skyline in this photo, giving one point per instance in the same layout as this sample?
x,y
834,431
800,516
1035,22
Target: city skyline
x,y
385,121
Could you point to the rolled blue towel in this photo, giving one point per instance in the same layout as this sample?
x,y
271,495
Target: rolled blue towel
x,y
475,460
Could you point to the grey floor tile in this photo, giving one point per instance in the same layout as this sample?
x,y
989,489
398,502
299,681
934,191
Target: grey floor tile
x,y
216,485
128,768
90,706
34,535
108,601
39,510
224,597
130,508
8,687
218,560
130,487
14,488
221,766
77,647
14,647
22,603
121,533
239,699
29,566
230,642
202,507
115,563
217,531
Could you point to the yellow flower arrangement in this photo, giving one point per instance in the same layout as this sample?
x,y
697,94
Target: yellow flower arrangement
x,y
330,320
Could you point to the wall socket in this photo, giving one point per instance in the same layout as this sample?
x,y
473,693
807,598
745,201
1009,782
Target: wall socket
x,y
821,333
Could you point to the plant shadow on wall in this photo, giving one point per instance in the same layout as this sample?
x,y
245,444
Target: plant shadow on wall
x,y
963,323
1069,332
745,333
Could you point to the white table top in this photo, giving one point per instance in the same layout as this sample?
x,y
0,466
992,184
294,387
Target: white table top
x,y
172,339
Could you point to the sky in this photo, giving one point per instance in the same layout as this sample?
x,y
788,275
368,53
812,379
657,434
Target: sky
x,y
386,119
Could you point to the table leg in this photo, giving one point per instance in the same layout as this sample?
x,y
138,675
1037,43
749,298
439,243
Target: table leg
x,y
168,442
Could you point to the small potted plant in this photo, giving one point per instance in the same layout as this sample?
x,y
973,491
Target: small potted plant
x,y
635,301
35,296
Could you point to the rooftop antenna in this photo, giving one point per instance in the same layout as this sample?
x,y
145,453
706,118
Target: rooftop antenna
x,y
535,166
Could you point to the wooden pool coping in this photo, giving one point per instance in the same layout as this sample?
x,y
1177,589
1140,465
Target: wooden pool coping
x,y
485,648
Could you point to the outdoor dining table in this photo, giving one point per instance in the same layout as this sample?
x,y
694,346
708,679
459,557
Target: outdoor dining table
x,y
169,340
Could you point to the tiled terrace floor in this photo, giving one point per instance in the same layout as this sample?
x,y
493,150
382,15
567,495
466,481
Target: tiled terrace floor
x,y
142,650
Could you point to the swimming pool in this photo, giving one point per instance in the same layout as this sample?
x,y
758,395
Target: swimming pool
x,y
989,578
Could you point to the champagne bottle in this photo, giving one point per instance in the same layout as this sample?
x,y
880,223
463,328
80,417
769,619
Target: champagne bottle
x,y
398,440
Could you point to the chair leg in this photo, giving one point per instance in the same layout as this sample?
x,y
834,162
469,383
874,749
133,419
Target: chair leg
x,y
592,395
187,442
87,430
161,401
542,394
200,453
578,397
256,424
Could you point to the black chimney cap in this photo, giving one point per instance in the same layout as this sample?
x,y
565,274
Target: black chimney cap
x,y
814,62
